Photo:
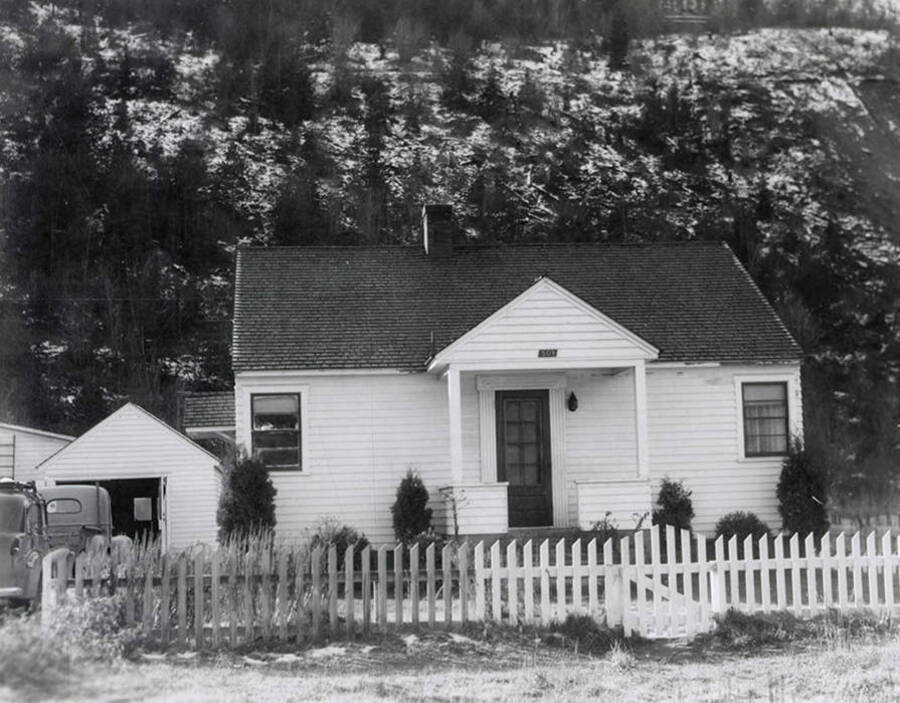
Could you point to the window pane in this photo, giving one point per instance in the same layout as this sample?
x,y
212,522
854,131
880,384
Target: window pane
x,y
754,392
276,430
279,457
276,438
275,412
765,418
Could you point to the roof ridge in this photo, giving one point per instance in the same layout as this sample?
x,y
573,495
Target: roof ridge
x,y
482,246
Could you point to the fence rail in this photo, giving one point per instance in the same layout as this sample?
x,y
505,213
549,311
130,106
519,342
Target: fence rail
x,y
658,583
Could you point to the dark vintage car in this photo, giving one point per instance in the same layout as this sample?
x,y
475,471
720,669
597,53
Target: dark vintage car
x,y
78,517
23,542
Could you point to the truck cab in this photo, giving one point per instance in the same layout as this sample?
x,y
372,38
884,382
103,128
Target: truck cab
x,y
23,542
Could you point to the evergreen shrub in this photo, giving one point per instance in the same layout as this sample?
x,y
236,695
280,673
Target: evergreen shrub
x,y
412,516
675,506
802,493
248,501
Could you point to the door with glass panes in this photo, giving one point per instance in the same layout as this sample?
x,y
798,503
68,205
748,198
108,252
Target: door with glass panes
x,y
523,455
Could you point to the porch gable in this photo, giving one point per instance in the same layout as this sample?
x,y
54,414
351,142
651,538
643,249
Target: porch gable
x,y
546,326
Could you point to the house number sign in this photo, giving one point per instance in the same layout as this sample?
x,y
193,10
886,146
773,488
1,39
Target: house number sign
x,y
546,353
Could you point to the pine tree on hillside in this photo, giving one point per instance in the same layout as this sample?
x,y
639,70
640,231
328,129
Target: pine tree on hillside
x,y
618,37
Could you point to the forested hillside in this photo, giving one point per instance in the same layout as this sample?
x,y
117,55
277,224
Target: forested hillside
x,y
140,142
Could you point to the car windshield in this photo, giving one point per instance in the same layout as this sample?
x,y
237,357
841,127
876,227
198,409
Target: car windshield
x,y
12,510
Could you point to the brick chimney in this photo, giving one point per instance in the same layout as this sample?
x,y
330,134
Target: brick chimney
x,y
437,230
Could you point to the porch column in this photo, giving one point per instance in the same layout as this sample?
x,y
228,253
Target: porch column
x,y
454,398
640,420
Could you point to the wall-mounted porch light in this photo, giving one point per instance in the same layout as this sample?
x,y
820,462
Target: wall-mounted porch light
x,y
572,402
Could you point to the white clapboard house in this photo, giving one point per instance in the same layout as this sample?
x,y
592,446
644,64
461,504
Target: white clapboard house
x,y
542,386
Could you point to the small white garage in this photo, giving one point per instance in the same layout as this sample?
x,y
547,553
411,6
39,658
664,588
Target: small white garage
x,y
160,482
23,448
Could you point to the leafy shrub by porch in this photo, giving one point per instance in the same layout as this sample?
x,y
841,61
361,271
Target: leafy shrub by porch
x,y
740,524
675,506
331,531
248,501
412,516
802,493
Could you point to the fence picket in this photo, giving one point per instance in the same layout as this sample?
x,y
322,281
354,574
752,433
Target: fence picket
x,y
627,618
641,581
198,598
544,554
512,584
655,561
840,548
147,609
182,600
300,562
576,578
561,580
281,599
80,568
855,555
496,608
691,620
129,591
382,587
812,595
398,585
265,591
671,578
796,598
717,590
593,608
764,583
888,572
749,576
414,582
872,570
702,580
528,576
447,583
165,586
315,600
248,592
462,554
827,569
332,589
478,556
366,589
780,592
429,588
734,585
215,606
349,591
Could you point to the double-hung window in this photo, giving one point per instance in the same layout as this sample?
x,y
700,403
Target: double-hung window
x,y
765,410
276,431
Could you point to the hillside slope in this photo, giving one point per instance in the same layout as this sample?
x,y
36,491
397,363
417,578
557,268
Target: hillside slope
x,y
133,163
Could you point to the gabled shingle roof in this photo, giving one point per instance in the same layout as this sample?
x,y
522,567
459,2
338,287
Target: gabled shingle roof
x,y
208,409
377,307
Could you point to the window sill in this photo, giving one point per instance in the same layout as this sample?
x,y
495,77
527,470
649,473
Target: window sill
x,y
761,459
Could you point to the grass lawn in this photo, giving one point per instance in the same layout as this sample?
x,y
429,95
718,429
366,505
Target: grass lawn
x,y
505,666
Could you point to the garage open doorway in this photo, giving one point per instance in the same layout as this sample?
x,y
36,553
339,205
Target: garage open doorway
x,y
135,505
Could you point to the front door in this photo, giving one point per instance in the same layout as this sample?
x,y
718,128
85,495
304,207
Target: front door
x,y
523,456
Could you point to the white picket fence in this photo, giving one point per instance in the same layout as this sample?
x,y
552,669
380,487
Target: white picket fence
x,y
655,583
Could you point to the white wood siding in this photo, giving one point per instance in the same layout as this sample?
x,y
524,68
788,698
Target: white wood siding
x,y
481,509
130,444
545,317
626,501
364,433
693,416
21,451
600,434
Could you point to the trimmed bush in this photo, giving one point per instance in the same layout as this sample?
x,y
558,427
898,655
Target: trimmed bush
x,y
412,516
740,524
248,501
675,506
802,493
330,531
